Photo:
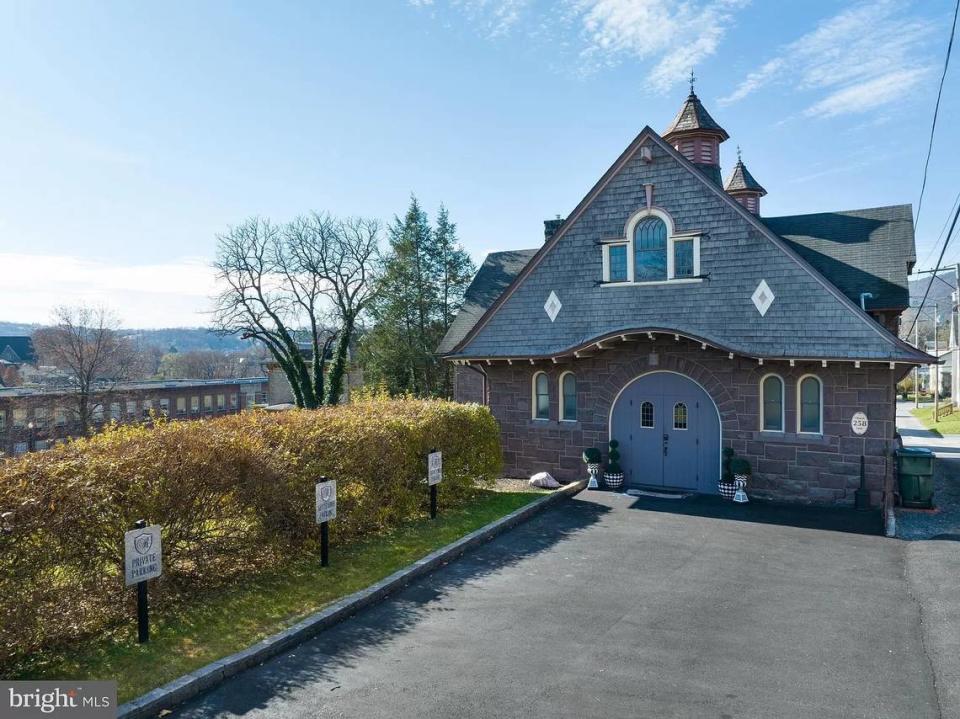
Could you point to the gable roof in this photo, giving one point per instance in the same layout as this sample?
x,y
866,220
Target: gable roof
x,y
496,273
18,350
693,116
741,179
527,336
870,250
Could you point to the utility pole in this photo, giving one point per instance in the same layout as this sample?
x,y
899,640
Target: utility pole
x,y
916,369
936,367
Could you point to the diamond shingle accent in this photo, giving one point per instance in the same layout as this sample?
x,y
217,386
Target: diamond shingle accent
x,y
763,297
552,306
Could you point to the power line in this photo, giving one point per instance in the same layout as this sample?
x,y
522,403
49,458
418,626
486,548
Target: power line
x,y
946,244
933,247
936,110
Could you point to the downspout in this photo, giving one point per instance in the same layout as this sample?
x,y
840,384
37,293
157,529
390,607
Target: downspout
x,y
480,370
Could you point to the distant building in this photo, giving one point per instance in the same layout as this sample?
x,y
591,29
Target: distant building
x,y
34,418
279,392
17,350
15,354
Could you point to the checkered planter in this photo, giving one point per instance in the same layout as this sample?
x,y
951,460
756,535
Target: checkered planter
x,y
613,481
727,490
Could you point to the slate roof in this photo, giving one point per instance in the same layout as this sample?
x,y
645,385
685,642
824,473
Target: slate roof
x,y
810,318
869,250
694,116
18,350
741,179
496,273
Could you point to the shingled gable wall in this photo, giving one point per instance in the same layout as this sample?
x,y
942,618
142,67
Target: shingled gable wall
x,y
787,466
806,320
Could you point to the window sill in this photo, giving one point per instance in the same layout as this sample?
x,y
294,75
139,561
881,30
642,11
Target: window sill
x,y
676,281
768,435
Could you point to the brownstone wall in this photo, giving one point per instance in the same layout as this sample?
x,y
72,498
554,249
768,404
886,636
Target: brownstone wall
x,y
468,385
787,466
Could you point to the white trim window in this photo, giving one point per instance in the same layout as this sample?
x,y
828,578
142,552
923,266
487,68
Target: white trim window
x,y
680,415
651,251
810,405
568,397
772,411
540,389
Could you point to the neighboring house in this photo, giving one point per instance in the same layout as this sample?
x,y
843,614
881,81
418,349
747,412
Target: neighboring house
x,y
32,418
16,357
666,313
17,350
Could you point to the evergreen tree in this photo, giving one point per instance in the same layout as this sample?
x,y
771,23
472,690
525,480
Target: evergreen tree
x,y
424,277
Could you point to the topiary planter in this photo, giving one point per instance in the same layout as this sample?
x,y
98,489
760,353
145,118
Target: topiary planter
x,y
613,480
727,489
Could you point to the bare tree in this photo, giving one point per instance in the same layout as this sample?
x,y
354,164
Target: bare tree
x,y
277,289
342,257
85,343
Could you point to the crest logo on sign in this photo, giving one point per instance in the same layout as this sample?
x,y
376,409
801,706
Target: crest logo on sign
x,y
143,543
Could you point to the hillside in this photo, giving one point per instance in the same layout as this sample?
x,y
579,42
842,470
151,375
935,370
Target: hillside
x,y
183,338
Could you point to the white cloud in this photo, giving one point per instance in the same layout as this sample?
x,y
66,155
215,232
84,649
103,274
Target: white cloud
x,y
169,294
862,58
673,35
677,34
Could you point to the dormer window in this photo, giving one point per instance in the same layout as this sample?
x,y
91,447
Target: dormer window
x,y
651,252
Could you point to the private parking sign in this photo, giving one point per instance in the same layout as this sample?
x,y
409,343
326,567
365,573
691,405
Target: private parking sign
x,y
142,555
326,501
435,468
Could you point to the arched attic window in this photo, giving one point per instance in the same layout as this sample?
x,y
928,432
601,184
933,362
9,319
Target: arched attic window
x,y
650,250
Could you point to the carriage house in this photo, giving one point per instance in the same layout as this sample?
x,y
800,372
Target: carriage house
x,y
666,312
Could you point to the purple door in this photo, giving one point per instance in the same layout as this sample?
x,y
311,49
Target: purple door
x,y
669,433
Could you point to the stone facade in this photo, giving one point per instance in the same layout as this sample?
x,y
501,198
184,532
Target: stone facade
x,y
788,466
468,384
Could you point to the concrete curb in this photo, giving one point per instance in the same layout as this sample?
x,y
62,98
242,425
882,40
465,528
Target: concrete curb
x,y
192,684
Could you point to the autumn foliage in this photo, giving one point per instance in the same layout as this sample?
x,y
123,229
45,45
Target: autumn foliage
x,y
234,495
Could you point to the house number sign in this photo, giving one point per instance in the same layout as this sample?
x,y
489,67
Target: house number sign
x,y
859,423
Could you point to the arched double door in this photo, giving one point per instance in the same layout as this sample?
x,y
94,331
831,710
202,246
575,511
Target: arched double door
x,y
668,428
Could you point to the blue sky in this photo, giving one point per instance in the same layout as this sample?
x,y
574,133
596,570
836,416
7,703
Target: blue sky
x,y
131,134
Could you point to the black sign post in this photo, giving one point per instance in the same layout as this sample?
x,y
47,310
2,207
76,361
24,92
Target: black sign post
x,y
434,475
143,606
324,544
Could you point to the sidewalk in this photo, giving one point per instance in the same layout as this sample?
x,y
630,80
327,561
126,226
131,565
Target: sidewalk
x,y
944,520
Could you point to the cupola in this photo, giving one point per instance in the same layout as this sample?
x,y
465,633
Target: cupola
x,y
697,136
743,188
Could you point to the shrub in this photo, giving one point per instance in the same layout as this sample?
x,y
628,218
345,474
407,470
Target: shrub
x,y
613,458
234,495
592,455
739,466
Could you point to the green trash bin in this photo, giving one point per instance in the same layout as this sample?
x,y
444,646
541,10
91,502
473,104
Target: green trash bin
x,y
915,476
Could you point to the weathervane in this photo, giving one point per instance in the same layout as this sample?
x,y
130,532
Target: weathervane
x,y
739,159
693,79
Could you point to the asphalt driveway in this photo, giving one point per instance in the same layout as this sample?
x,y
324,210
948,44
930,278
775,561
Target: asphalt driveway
x,y
609,606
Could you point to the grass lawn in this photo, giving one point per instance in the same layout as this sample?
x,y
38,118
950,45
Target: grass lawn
x,y
947,425
262,605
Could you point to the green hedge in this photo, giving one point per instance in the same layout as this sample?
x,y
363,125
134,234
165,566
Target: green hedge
x,y
234,495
